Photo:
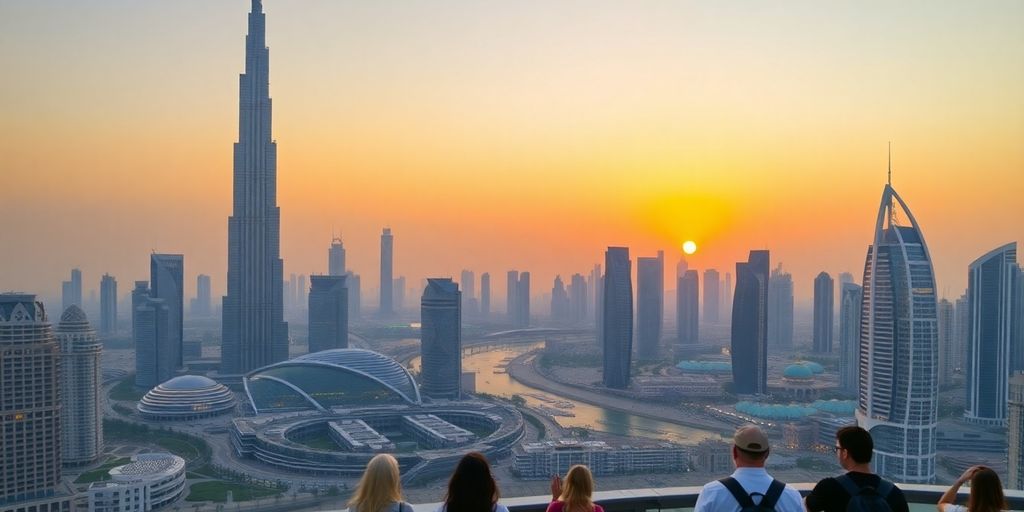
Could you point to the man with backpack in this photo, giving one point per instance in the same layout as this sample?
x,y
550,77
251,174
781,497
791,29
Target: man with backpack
x,y
750,488
859,489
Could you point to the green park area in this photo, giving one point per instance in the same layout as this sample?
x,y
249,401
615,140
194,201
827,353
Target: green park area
x,y
217,491
126,390
185,446
100,473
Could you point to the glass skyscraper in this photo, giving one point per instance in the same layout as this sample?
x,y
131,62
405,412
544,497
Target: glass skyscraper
x,y
749,339
617,319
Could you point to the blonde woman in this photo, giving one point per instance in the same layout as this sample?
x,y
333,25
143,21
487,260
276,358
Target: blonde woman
x,y
574,494
380,488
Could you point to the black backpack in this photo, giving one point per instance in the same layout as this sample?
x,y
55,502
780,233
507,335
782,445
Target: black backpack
x,y
867,498
768,499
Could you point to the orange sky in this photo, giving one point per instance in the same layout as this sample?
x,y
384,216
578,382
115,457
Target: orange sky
x,y
527,136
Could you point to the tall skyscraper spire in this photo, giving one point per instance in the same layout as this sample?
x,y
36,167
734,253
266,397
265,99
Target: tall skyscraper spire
x,y
254,331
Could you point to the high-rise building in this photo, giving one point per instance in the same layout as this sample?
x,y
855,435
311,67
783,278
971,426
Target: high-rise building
x,y
355,302
899,347
254,333
301,292
1017,345
749,339
485,294
824,312
467,282
523,300
201,305
650,293
780,309
387,254
511,300
81,380
559,301
154,359
167,282
711,296
328,313
1015,433
597,280
947,347
30,405
108,304
687,314
617,331
727,294
336,258
398,298
844,278
961,330
849,337
441,340
71,291
578,299
991,286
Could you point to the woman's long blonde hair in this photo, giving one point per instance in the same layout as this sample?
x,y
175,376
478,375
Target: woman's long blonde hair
x,y
576,490
379,487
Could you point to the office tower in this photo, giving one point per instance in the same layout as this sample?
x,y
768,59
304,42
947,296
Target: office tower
x,y
780,309
467,282
485,294
597,284
523,300
617,330
441,340
961,331
328,313
155,361
291,291
387,253
749,344
899,347
108,304
81,380
991,286
844,278
355,302
849,337
650,293
302,292
1017,344
336,258
511,302
201,304
727,296
30,403
578,298
824,312
398,295
1015,433
71,291
559,301
687,314
711,296
947,331
167,282
254,333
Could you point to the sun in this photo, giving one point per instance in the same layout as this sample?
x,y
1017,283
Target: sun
x,y
689,247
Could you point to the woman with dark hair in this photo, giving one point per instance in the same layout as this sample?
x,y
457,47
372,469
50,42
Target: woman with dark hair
x,y
986,492
472,487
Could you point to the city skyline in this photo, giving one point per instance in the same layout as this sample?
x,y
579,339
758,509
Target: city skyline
x,y
652,194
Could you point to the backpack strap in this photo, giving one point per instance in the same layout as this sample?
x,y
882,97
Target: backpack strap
x,y
772,495
884,488
738,492
849,485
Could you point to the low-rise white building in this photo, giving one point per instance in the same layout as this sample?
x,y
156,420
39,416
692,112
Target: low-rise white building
x,y
149,482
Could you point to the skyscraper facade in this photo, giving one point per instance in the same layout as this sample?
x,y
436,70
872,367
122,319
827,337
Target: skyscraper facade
x,y
780,309
467,282
749,339
328,313
336,258
711,296
30,402
578,299
597,278
254,333
559,301
202,304
824,312
617,330
441,341
1015,433
991,287
899,347
398,298
108,304
387,255
687,315
81,380
727,293
849,337
650,293
71,291
511,300
947,345
167,282
485,294
155,361
355,303
523,300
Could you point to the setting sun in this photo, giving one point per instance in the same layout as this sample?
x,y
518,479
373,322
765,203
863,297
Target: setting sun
x,y
689,247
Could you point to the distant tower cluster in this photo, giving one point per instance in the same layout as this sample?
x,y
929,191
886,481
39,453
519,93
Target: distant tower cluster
x,y
398,297
108,304
617,331
467,282
518,298
71,291
441,340
387,254
328,313
947,342
597,285
780,309
650,293
559,301
81,381
749,344
578,299
727,294
485,295
201,305
824,312
849,337
687,315
711,296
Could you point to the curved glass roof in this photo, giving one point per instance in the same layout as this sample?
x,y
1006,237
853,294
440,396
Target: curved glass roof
x,y
73,314
798,371
189,382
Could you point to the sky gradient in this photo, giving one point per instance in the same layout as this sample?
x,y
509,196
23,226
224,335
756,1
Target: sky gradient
x,y
499,135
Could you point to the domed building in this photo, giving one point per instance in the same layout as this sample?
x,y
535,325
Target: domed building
x,y
81,434
798,382
346,377
188,397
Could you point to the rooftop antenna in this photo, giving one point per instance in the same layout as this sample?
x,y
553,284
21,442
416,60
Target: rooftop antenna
x,y
890,163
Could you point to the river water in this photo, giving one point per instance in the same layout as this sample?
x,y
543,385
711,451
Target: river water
x,y
491,379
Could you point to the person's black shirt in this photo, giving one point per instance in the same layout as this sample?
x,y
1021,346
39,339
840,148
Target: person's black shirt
x,y
830,496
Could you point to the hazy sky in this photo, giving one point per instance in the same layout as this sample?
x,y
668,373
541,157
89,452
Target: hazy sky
x,y
498,135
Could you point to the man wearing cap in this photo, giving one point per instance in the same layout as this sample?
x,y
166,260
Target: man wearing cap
x,y
750,484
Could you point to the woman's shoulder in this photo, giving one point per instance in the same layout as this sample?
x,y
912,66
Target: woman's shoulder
x,y
498,507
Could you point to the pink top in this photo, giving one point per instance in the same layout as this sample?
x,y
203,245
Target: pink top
x,y
559,506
